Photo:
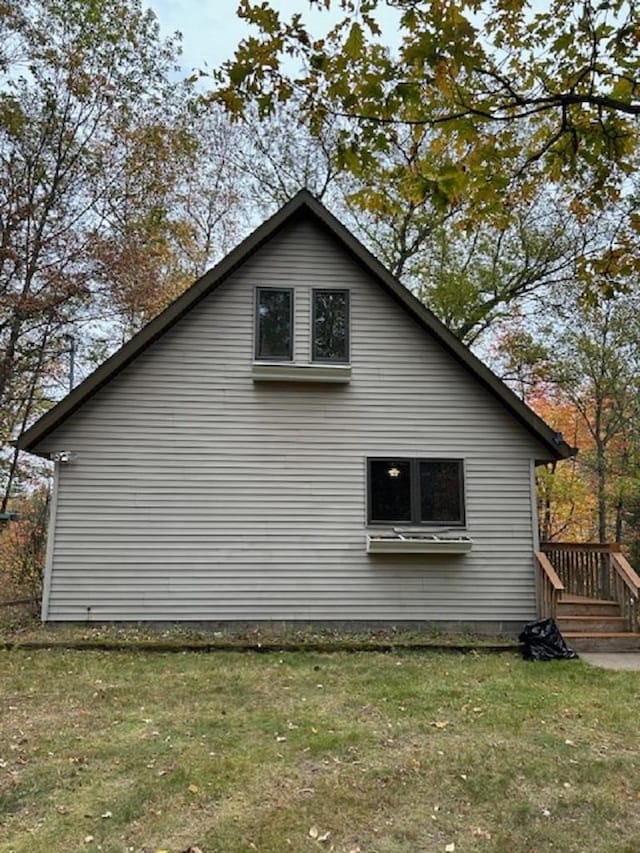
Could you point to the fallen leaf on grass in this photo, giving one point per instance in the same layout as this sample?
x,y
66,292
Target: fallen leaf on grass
x,y
314,833
193,789
439,724
481,833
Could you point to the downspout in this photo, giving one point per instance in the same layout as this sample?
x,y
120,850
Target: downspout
x,y
535,531
51,532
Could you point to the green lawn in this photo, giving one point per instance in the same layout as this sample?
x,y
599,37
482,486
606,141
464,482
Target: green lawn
x,y
361,752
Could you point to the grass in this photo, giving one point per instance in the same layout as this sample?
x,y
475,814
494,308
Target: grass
x,y
25,630
355,753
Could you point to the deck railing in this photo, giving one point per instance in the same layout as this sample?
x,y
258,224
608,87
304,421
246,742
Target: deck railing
x,y
594,570
550,587
626,588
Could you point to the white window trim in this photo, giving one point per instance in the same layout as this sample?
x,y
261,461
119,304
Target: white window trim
x,y
268,371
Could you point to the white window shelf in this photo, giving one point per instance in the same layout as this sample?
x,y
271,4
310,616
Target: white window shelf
x,y
291,372
406,543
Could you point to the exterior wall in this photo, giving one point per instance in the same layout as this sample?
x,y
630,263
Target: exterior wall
x,y
196,494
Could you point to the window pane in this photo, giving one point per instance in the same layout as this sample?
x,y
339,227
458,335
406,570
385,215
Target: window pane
x,y
330,325
390,489
440,490
274,324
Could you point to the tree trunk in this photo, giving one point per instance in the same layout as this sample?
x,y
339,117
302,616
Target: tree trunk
x,y
601,471
619,519
547,531
25,419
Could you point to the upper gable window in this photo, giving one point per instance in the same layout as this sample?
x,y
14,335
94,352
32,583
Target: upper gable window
x,y
330,325
416,491
274,324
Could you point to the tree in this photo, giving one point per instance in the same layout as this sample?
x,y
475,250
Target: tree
x,y
585,367
134,260
474,282
596,367
496,96
277,156
23,548
211,202
72,75
173,208
470,280
567,507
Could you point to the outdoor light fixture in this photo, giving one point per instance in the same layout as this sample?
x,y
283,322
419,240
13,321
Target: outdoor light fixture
x,y
394,472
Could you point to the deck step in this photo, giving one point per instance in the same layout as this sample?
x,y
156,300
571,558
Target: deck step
x,y
584,599
591,624
587,607
602,641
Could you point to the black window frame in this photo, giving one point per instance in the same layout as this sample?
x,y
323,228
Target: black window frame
x,y
257,336
347,293
414,475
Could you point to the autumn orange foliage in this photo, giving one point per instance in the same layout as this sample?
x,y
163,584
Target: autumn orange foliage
x,y
567,502
23,549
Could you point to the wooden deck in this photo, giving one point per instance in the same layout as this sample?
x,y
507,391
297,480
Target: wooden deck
x,y
593,594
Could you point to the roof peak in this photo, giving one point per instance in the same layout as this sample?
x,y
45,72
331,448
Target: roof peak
x,y
207,283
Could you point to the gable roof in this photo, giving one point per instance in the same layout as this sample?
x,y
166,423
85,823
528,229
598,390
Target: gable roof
x,y
302,205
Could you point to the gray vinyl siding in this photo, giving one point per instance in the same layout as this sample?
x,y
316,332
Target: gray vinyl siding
x,y
196,494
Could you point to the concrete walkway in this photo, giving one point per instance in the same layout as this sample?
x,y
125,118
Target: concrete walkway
x,y
613,660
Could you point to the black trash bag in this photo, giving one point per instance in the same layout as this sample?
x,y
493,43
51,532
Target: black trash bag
x,y
543,641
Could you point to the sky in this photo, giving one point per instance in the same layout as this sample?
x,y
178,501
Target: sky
x,y
211,29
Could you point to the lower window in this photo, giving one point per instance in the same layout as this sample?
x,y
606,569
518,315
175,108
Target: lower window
x,y
415,491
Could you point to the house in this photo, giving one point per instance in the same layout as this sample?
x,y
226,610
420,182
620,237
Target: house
x,y
295,438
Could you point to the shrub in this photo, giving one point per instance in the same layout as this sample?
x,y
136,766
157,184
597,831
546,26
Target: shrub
x,y
23,549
